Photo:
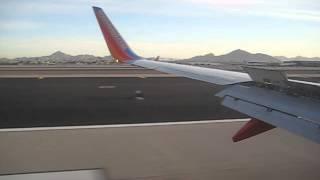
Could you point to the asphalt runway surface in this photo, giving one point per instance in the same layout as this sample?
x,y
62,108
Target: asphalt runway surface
x,y
78,71
37,102
164,151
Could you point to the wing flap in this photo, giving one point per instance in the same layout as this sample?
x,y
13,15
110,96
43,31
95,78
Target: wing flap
x,y
296,114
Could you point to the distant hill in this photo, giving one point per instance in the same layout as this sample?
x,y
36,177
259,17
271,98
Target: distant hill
x,y
6,61
298,58
235,57
59,58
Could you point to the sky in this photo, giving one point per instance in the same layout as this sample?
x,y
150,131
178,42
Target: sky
x,y
166,28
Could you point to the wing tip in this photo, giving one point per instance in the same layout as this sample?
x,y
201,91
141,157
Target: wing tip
x,y
118,47
96,8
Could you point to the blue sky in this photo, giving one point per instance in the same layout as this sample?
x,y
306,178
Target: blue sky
x,y
169,28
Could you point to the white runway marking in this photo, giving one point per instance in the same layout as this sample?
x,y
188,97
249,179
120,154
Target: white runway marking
x,y
87,75
107,87
123,125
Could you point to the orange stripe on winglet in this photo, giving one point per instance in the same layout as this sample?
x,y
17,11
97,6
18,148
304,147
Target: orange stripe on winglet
x,y
117,46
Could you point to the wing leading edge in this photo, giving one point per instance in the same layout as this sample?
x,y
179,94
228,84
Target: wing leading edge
x,y
262,115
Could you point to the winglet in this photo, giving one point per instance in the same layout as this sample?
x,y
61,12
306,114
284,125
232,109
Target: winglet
x,y
118,48
252,128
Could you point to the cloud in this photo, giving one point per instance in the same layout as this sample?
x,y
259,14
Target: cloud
x,y
19,25
16,8
226,3
27,7
307,10
41,14
295,10
305,15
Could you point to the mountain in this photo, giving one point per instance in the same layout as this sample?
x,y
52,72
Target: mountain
x,y
203,58
6,61
235,57
56,56
59,58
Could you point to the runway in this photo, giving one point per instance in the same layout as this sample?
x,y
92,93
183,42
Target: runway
x,y
135,124
34,102
114,70
182,151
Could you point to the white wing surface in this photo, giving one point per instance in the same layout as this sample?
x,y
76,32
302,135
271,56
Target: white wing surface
x,y
215,76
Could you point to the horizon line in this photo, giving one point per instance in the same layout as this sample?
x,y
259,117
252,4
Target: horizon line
x,y
66,53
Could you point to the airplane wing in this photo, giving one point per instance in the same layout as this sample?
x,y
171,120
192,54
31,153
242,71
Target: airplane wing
x,y
268,97
122,52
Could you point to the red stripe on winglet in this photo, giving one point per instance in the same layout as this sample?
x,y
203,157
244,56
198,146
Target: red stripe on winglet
x,y
252,128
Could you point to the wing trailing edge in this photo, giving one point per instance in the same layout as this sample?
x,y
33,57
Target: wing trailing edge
x,y
299,115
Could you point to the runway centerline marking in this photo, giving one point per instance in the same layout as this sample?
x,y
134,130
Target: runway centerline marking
x,y
107,87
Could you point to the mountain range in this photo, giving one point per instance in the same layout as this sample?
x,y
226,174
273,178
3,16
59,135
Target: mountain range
x,y
59,58
235,57
298,58
242,57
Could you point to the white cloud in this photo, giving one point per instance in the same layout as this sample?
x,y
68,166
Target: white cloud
x,y
226,3
308,10
290,14
38,7
19,25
